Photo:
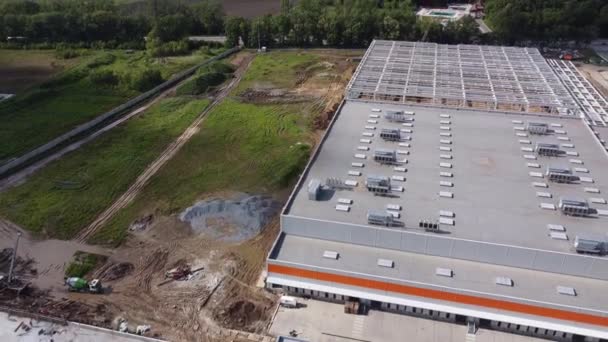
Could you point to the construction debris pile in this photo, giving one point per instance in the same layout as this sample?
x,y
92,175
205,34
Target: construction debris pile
x,y
183,272
231,220
40,303
23,271
141,223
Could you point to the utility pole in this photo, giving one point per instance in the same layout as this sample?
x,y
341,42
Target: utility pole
x,y
10,271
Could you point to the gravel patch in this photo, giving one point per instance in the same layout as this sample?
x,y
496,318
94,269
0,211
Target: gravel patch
x,y
231,220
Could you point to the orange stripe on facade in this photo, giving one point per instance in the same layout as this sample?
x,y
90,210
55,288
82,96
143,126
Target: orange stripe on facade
x,y
441,295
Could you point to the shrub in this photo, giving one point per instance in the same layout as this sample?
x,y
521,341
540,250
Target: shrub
x,y
83,264
220,67
66,53
145,80
104,59
103,77
65,78
175,48
201,84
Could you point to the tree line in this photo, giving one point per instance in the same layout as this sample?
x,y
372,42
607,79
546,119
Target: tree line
x,y
548,21
345,23
107,22
301,23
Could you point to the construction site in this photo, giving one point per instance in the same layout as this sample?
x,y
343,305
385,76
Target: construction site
x,y
189,274
462,184
456,191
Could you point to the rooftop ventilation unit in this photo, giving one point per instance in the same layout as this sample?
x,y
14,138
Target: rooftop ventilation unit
x,y
543,149
560,175
314,189
574,207
386,263
378,184
383,156
444,272
331,255
537,128
565,290
429,226
397,116
336,183
390,134
505,281
593,244
381,218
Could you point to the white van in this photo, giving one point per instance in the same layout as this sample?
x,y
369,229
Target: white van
x,y
288,302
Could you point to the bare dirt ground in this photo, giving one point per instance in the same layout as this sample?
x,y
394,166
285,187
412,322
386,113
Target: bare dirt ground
x,y
223,293
22,69
320,85
251,8
597,75
51,257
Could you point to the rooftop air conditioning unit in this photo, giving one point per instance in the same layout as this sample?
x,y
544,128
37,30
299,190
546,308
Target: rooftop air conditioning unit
x,y
537,128
383,156
380,218
390,134
574,207
561,175
593,244
543,149
378,184
397,116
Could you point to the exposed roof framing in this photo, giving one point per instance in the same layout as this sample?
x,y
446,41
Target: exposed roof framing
x,y
472,76
593,104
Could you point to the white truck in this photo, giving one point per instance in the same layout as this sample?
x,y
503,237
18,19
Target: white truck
x,y
288,302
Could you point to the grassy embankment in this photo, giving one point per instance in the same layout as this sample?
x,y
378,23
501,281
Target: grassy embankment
x,y
74,96
65,196
241,147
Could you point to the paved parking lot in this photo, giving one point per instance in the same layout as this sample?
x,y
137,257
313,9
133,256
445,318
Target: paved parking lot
x,y
327,322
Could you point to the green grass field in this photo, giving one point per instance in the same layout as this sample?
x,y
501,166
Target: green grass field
x,y
277,69
65,196
71,98
240,147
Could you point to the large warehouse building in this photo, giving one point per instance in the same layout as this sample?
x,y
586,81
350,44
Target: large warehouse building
x,y
461,183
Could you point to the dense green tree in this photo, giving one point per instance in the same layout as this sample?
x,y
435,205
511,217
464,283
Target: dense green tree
x,y
545,20
209,16
262,32
233,31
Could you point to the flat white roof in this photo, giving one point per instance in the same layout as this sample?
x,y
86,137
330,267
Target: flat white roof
x,y
495,198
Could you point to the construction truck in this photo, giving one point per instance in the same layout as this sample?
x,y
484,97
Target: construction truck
x,y
76,284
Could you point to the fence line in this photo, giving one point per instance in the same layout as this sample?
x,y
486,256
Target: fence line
x,y
36,153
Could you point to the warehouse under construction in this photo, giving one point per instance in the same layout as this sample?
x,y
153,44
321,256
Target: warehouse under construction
x,y
459,183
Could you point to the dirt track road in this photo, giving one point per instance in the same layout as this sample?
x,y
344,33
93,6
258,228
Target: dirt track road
x,y
143,179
